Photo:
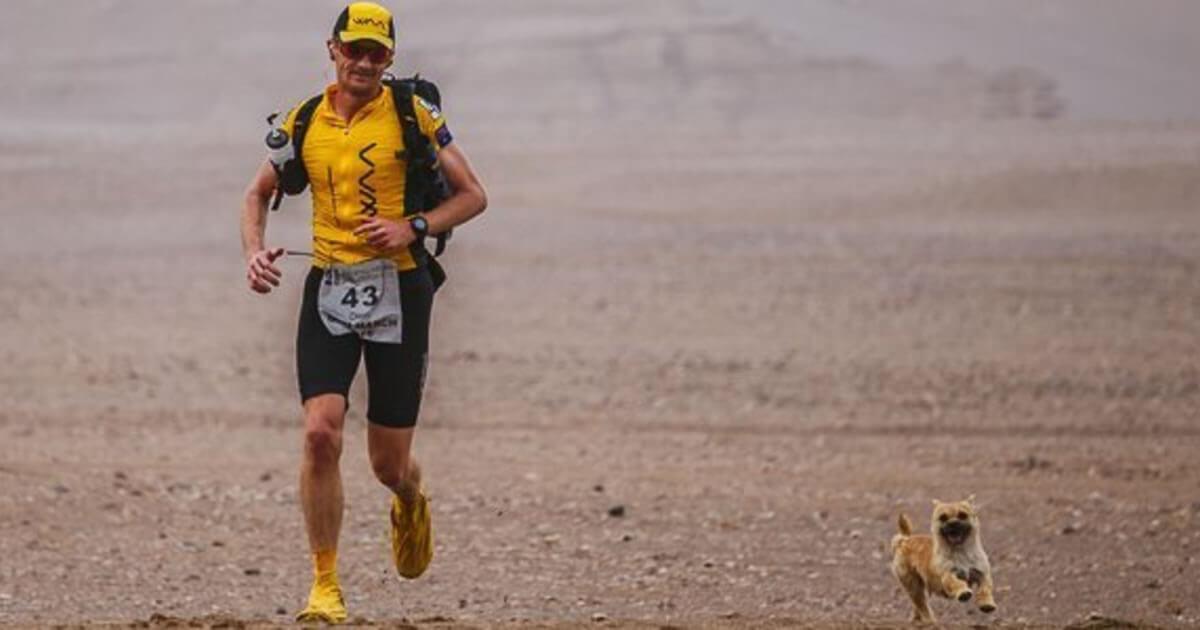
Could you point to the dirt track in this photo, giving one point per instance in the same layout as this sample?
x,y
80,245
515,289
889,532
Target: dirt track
x,y
760,297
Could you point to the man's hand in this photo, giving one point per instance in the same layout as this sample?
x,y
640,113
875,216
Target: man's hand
x,y
261,272
386,235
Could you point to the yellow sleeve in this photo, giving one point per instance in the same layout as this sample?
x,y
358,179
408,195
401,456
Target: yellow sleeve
x,y
432,122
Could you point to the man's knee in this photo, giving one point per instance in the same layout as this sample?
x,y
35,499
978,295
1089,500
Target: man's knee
x,y
395,471
323,445
323,434
388,469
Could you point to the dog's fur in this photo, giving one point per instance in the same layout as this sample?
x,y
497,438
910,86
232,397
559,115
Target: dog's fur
x,y
950,561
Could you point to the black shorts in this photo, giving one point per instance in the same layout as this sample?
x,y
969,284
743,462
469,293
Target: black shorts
x,y
325,364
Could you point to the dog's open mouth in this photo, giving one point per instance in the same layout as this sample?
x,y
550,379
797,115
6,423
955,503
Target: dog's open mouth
x,y
956,533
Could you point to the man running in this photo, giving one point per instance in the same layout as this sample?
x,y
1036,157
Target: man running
x,y
367,251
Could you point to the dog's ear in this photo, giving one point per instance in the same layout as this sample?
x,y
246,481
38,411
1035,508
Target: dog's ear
x,y
936,503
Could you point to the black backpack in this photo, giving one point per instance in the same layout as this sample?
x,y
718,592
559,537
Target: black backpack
x,y
425,184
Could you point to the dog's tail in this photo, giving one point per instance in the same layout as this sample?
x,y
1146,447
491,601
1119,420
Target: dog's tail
x,y
905,531
905,527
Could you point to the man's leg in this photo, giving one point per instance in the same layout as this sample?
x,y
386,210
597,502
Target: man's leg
x,y
322,501
325,367
391,459
395,379
320,474
412,530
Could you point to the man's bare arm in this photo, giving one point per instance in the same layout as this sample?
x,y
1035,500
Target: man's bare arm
x,y
469,198
254,208
261,273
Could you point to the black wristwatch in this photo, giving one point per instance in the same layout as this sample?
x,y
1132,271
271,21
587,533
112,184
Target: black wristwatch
x,y
420,226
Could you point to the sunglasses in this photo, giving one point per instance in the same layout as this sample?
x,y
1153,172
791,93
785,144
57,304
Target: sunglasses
x,y
357,50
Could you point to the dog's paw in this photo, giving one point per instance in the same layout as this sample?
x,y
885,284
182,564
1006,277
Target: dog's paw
x,y
965,596
988,608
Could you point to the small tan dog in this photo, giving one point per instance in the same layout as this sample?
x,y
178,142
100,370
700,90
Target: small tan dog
x,y
949,562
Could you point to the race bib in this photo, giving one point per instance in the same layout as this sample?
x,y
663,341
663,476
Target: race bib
x,y
363,299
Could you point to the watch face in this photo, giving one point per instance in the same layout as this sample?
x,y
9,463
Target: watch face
x,y
420,225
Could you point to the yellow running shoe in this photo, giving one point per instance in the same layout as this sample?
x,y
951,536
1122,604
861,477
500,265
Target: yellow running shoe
x,y
412,537
325,603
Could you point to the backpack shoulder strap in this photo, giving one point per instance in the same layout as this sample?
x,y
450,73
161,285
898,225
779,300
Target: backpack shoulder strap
x,y
300,127
293,178
410,128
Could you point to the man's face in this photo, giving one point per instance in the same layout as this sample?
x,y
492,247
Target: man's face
x,y
360,65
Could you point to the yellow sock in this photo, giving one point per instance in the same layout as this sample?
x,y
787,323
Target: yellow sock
x,y
325,563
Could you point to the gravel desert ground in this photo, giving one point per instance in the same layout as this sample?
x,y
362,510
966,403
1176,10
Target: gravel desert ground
x,y
756,277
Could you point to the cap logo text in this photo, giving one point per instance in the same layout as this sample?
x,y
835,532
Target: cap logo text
x,y
366,21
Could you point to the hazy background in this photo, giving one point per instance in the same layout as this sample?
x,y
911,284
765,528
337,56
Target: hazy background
x,y
763,273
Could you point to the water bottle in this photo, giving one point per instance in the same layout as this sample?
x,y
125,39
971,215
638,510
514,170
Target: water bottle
x,y
279,153
279,145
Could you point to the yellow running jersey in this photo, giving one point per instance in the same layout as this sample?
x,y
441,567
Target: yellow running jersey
x,y
354,173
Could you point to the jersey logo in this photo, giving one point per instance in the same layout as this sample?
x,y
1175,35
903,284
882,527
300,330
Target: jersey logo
x,y
366,192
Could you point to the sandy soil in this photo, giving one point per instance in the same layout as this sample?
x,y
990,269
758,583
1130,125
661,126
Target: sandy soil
x,y
744,294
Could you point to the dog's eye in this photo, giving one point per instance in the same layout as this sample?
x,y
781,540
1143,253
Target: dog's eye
x,y
944,517
962,516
